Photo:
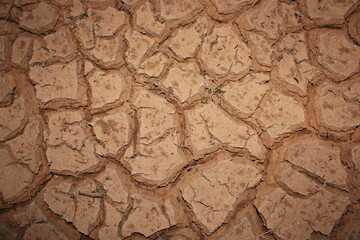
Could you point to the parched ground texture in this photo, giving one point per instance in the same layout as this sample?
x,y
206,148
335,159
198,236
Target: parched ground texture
x,y
179,119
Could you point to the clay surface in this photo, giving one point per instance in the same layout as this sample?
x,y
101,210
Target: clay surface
x,y
179,119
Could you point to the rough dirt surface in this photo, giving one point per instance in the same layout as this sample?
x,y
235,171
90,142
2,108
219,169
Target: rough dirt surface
x,y
179,119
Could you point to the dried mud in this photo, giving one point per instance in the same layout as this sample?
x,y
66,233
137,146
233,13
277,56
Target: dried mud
x,y
179,119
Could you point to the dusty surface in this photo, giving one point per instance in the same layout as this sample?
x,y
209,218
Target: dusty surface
x,y
179,119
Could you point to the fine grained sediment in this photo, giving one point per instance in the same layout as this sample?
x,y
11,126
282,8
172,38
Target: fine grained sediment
x,y
179,119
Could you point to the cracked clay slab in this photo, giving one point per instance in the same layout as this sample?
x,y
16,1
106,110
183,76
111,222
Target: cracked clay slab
x,y
283,213
107,87
185,41
224,53
178,9
39,18
214,191
319,157
146,20
157,154
154,65
328,11
113,131
281,114
185,81
7,86
337,54
158,213
206,131
12,117
56,82
229,6
71,149
270,17
245,95
338,105
77,203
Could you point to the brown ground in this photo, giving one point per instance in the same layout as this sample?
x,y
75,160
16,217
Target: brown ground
x,y
179,119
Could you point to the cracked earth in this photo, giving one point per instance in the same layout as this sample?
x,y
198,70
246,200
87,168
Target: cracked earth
x,y
179,119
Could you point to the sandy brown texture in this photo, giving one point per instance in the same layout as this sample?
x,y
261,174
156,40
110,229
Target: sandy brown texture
x,y
179,119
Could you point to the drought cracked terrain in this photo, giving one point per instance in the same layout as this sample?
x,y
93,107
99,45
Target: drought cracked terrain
x,y
179,119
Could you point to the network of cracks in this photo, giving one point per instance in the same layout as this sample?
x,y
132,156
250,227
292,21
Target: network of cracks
x,y
179,119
